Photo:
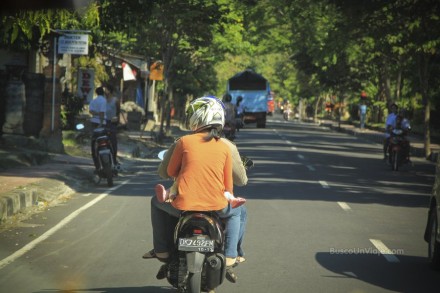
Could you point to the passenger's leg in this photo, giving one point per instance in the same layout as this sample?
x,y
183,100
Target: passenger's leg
x,y
162,229
243,222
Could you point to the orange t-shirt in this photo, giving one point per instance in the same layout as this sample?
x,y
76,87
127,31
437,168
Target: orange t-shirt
x,y
204,172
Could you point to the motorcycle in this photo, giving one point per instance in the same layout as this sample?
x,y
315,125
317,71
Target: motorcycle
x,y
198,263
396,149
287,114
103,150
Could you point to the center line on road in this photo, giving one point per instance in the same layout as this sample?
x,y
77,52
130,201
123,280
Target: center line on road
x,y
324,184
293,148
311,168
31,245
385,251
344,206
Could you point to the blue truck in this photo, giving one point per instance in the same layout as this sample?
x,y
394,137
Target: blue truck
x,y
255,90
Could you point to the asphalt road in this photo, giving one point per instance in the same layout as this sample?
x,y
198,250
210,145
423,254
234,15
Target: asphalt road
x,y
325,215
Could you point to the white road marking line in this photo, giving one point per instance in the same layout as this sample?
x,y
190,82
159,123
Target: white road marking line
x,y
293,148
344,206
385,251
301,156
31,245
324,184
288,142
311,168
87,194
351,274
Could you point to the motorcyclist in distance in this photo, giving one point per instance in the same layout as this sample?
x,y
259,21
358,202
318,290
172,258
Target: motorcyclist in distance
x,y
389,125
403,124
230,112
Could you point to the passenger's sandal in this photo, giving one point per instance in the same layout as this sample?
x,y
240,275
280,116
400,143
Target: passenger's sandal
x,y
230,275
152,254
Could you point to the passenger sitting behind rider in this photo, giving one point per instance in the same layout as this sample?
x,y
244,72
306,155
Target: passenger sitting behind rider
x,y
202,165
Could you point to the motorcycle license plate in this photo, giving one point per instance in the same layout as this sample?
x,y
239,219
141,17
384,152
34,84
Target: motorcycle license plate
x,y
194,244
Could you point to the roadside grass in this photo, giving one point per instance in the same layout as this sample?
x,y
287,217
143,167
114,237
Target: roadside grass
x,y
75,145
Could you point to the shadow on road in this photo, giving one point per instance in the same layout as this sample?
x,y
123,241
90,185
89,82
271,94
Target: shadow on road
x,y
411,274
147,289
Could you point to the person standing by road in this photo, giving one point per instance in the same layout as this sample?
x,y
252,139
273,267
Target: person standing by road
x,y
363,110
362,114
97,108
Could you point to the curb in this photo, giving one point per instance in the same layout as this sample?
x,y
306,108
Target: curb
x,y
41,193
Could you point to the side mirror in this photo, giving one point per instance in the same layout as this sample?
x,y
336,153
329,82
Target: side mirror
x,y
79,126
161,154
247,163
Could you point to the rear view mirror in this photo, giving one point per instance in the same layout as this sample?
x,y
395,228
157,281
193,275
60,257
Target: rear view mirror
x,y
247,163
161,154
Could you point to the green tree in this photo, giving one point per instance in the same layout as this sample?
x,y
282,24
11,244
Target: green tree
x,y
26,29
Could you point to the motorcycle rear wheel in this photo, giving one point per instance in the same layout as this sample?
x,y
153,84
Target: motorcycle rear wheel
x,y
108,172
395,161
194,282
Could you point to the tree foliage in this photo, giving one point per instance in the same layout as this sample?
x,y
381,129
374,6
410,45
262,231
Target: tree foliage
x,y
25,29
305,48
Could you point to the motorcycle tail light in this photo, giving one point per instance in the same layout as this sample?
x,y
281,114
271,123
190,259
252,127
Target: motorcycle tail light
x,y
102,143
197,231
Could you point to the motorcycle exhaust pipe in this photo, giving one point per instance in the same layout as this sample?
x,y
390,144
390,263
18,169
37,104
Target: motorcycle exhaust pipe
x,y
215,270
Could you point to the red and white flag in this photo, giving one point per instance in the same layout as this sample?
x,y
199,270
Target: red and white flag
x,y
127,72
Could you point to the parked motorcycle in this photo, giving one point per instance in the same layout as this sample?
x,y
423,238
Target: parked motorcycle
x,y
103,150
198,262
397,149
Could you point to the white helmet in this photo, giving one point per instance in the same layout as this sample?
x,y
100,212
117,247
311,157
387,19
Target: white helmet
x,y
205,112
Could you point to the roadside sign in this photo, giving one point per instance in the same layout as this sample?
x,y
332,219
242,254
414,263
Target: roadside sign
x,y
86,84
156,71
75,44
